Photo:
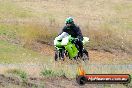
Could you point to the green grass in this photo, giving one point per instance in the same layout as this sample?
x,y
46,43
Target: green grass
x,y
7,31
52,73
16,54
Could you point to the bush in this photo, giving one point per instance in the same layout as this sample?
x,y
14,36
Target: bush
x,y
52,73
109,40
20,73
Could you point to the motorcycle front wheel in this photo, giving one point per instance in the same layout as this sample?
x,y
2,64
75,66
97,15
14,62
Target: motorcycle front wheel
x,y
56,56
59,55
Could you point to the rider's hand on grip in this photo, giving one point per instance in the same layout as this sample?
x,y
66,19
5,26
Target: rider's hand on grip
x,y
72,40
76,40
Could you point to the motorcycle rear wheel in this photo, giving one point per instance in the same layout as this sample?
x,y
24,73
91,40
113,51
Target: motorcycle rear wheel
x,y
85,55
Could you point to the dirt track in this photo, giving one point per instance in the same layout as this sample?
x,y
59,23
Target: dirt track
x,y
61,82
99,62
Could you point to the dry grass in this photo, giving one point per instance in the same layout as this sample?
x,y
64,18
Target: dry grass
x,y
36,32
107,23
109,40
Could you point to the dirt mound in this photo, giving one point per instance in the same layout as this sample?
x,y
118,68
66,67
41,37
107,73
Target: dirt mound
x,y
9,81
57,82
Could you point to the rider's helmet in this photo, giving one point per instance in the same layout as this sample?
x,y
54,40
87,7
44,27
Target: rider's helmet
x,y
69,20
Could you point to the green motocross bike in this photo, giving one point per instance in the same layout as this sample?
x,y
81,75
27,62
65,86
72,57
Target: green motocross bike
x,y
64,46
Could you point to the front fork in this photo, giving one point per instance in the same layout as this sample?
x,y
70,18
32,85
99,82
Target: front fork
x,y
61,54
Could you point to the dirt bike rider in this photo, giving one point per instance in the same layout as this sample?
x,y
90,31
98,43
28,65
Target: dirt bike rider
x,y
75,32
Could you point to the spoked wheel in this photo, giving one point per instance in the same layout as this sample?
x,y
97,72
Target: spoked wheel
x,y
62,54
59,55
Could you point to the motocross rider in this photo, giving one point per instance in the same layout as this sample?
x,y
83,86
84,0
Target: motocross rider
x,y
75,32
